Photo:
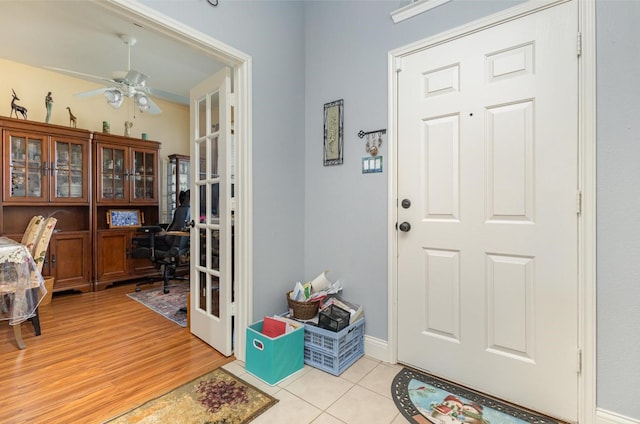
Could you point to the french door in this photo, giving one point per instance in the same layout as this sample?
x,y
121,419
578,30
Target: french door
x,y
212,210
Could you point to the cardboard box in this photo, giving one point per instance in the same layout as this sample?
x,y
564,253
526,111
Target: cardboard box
x,y
273,359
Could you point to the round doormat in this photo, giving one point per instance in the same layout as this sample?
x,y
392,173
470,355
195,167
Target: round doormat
x,y
423,398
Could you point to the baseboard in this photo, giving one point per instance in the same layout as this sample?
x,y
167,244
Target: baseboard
x,y
376,348
607,417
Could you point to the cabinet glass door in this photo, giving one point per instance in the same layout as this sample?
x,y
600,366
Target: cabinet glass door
x,y
28,169
70,173
113,174
144,176
178,180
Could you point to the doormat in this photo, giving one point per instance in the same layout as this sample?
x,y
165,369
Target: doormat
x,y
168,305
423,398
216,397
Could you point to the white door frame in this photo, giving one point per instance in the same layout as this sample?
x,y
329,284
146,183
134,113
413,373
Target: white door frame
x,y
242,68
586,48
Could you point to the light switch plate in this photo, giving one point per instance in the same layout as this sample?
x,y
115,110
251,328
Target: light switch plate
x,y
371,164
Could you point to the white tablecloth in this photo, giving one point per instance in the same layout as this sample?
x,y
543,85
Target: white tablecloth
x,y
21,284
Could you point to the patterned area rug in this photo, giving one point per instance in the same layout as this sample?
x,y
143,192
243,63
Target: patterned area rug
x,y
216,397
423,398
168,305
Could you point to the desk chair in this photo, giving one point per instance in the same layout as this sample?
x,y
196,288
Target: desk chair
x,y
166,248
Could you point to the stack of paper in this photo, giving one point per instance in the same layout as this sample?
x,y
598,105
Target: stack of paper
x,y
355,310
276,326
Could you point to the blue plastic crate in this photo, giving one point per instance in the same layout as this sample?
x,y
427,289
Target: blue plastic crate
x,y
273,359
333,352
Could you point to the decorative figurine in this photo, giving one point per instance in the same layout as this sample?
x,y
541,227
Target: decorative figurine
x,y
17,108
72,118
106,128
48,103
127,128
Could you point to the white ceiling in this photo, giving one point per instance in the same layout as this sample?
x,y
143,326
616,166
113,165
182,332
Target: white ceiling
x,y
83,36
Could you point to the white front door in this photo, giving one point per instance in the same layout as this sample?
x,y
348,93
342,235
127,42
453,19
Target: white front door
x,y
487,157
212,209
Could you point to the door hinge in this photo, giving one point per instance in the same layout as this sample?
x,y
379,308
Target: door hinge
x,y
579,202
579,45
579,362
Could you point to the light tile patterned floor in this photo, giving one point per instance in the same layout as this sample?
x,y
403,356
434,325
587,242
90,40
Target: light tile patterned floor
x,y
360,395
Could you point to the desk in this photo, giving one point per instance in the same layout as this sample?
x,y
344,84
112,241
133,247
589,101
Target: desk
x,y
22,282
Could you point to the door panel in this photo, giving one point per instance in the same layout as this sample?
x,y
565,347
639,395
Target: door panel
x,y
115,246
487,154
70,260
211,241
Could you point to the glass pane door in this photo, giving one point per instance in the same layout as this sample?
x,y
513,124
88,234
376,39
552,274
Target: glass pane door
x,y
113,173
211,241
144,175
69,175
178,180
28,168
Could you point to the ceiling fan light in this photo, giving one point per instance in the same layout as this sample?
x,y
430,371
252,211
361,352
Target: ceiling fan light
x,y
114,98
142,101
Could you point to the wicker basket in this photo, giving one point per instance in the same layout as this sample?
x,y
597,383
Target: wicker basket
x,y
302,310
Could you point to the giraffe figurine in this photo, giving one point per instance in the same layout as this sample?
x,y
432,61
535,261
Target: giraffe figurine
x,y
72,118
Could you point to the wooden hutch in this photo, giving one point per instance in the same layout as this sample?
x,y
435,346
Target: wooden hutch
x,y
79,177
126,178
45,171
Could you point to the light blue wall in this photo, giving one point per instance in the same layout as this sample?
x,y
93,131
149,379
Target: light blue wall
x,y
618,153
347,46
272,33
309,217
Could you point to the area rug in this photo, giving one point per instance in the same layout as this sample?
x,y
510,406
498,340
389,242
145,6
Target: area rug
x,y
216,397
168,305
423,398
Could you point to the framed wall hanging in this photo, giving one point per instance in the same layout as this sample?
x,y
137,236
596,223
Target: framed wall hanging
x,y
333,132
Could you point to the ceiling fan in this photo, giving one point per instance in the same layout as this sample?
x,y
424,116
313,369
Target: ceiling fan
x,y
130,83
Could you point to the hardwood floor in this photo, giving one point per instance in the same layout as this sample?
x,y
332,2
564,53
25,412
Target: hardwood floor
x,y
99,355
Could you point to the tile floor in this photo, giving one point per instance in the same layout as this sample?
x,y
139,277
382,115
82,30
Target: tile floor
x,y
360,395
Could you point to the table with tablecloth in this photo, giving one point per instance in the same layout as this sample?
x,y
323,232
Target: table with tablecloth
x,y
21,285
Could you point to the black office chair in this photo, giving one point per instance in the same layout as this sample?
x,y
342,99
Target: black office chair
x,y
161,247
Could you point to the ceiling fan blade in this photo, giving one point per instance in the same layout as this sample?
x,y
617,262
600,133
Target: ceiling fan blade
x,y
93,92
166,95
90,77
153,108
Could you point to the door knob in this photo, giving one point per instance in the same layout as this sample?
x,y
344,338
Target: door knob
x,y
405,227
406,203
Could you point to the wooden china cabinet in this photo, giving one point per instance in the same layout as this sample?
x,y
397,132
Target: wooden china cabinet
x,y
178,180
45,171
126,178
